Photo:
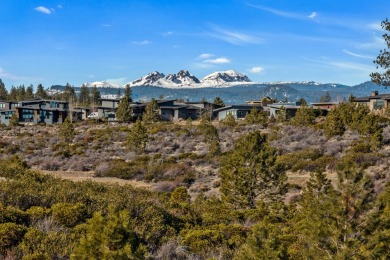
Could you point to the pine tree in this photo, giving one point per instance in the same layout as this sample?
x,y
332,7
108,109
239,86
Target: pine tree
x,y
41,92
29,92
3,91
95,96
12,94
152,112
128,93
137,138
20,93
383,59
250,172
84,97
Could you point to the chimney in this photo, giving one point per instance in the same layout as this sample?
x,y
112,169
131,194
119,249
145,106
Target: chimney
x,y
374,93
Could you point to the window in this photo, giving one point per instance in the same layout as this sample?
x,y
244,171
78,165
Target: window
x,y
240,113
2,105
379,104
27,115
9,114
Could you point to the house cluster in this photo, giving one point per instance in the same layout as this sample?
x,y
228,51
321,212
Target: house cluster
x,y
42,111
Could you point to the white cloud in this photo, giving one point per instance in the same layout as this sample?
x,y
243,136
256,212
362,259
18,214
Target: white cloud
x,y
276,11
313,15
377,43
344,65
375,26
43,9
106,25
60,6
357,55
233,37
5,74
205,56
166,34
145,42
256,70
218,61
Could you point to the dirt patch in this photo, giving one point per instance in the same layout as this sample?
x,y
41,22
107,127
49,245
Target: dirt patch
x,y
83,176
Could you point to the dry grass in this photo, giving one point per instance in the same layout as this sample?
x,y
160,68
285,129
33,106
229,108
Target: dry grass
x,y
78,176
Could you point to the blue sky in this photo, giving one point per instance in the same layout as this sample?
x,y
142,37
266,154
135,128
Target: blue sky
x,y
54,42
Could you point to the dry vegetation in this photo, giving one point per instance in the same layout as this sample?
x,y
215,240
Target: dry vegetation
x,y
177,154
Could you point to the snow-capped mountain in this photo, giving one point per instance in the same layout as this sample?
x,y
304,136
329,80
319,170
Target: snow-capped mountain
x,y
151,79
182,79
102,84
224,78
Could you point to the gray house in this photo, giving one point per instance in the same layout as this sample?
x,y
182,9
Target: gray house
x,y
237,111
34,111
290,108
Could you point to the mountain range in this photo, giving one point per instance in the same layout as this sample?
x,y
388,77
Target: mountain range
x,y
182,79
231,86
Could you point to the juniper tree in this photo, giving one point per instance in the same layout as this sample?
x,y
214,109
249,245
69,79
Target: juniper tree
x,y
250,172
218,101
137,138
124,112
282,115
152,112
229,121
326,97
304,116
14,120
334,124
67,131
314,222
255,116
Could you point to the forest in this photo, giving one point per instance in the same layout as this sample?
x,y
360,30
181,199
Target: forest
x,y
308,187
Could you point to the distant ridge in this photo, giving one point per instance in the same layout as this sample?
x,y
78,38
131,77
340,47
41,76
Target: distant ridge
x,y
182,79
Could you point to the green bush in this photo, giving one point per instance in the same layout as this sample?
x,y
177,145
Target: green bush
x,y
69,215
10,235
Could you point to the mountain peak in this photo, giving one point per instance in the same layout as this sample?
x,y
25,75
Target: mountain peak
x,y
224,77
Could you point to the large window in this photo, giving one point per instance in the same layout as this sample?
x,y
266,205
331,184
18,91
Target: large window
x,y
379,104
28,115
